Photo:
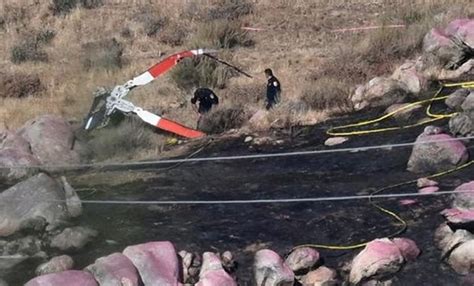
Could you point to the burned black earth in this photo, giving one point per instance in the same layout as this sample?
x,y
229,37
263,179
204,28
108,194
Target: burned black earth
x,y
243,228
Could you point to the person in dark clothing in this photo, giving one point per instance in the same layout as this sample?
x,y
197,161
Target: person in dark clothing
x,y
207,98
273,89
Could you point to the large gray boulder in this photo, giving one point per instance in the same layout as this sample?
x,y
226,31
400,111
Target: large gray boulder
x,y
55,264
442,153
302,259
15,152
410,77
271,270
51,140
379,91
114,270
37,198
456,99
73,238
462,124
464,196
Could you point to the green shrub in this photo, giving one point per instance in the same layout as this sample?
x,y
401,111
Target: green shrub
x,y
27,50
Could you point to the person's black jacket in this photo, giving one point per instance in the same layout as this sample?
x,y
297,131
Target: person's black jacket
x,y
206,97
273,91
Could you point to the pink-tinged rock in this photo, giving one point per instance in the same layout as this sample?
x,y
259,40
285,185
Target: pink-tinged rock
x,y
436,39
436,152
458,216
10,139
407,202
270,269
425,182
51,140
380,257
320,277
408,248
464,198
212,273
379,91
157,262
462,29
69,278
461,258
428,190
303,258
115,269
12,158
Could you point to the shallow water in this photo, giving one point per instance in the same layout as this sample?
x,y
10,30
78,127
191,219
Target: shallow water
x,y
279,226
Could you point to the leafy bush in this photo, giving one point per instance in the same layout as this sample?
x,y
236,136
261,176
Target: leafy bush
x,y
106,54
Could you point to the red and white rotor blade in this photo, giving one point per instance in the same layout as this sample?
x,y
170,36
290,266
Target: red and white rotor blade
x,y
168,125
165,65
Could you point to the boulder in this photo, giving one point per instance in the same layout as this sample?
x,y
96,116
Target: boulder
x,y
38,197
335,141
461,258
55,264
270,270
408,248
157,262
441,49
464,198
10,139
462,124
114,269
468,103
455,99
302,259
69,278
457,216
443,235
441,154
425,182
322,276
428,190
51,139
73,202
462,29
379,91
379,258
11,162
459,237
212,273
73,238
408,75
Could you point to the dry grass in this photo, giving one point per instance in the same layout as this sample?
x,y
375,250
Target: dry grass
x,y
313,63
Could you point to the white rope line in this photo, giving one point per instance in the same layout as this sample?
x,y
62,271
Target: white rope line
x,y
237,157
258,201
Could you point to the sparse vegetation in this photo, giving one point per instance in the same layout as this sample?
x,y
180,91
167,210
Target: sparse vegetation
x,y
30,47
18,85
327,94
65,6
222,119
124,138
105,54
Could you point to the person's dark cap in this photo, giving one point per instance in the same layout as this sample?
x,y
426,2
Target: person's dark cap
x,y
268,72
